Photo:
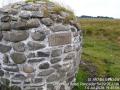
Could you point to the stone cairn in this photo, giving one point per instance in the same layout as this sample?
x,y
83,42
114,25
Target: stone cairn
x,y
37,52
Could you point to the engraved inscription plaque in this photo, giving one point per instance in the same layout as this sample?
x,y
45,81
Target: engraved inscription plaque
x,y
60,39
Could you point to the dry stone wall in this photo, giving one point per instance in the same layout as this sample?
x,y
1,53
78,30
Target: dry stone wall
x,y
37,52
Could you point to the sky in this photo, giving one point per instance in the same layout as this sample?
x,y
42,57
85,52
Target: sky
x,y
109,8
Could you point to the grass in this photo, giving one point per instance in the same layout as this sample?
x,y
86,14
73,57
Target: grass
x,y
101,48
58,9
81,78
70,15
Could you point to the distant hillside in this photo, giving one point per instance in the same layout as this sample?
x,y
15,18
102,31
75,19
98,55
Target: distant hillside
x,y
101,49
85,16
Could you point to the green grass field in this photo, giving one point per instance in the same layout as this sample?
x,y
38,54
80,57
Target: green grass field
x,y
101,49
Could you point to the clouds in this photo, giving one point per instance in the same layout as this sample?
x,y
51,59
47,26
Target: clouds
x,y
94,7
88,7
5,2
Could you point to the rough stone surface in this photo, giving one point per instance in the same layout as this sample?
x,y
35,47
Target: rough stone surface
x,y
18,58
28,69
12,69
15,88
31,89
46,72
68,48
57,66
55,60
6,59
35,45
4,48
43,54
36,60
57,18
40,88
25,14
19,77
73,29
56,52
38,36
31,55
53,78
47,21
23,25
30,8
3,87
1,73
20,25
38,80
15,36
20,47
50,87
59,27
1,36
5,26
44,66
10,11
5,81
33,23
37,14
70,79
15,82
38,49
6,19
62,87
70,56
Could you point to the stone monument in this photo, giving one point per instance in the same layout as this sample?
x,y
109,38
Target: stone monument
x,y
38,51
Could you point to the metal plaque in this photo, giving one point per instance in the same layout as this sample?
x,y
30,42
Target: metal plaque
x,y
60,39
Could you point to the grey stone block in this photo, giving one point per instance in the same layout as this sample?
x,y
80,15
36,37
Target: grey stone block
x,y
20,47
44,65
6,19
55,60
1,35
1,73
15,36
36,60
56,52
11,69
4,48
47,21
28,68
59,27
52,78
43,54
62,87
35,45
46,72
30,7
50,87
69,56
18,58
5,26
68,48
38,36
38,80
37,14
19,77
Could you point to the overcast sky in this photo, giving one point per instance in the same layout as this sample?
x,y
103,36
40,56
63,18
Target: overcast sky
x,y
87,7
